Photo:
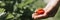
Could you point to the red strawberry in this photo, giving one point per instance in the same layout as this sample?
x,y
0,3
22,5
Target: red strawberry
x,y
40,11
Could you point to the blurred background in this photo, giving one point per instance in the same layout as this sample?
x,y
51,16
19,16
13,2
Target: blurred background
x,y
22,9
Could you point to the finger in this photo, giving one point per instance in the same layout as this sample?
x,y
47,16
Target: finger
x,y
33,15
40,16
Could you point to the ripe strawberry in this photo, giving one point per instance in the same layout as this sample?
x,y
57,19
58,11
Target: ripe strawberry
x,y
40,11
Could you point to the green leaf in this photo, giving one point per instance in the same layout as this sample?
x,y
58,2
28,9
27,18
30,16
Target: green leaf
x,y
24,3
10,16
2,9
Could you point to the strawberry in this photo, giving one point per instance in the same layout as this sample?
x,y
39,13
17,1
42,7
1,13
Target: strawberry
x,y
40,11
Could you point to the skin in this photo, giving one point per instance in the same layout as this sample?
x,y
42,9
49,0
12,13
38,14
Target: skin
x,y
50,10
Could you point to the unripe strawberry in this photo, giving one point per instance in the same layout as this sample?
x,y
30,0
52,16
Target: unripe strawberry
x,y
40,11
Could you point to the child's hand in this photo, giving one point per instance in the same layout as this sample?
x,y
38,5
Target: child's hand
x,y
37,15
50,10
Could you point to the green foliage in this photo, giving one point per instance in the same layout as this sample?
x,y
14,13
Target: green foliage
x,y
2,4
20,5
23,10
10,16
2,10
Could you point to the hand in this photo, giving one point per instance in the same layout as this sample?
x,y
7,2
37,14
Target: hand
x,y
50,10
35,16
